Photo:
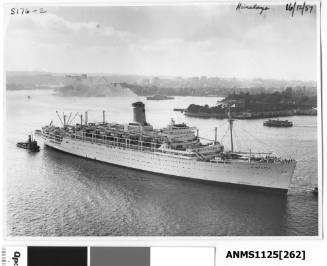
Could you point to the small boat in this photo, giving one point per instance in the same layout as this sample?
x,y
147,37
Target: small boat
x,y
30,145
278,123
179,110
159,97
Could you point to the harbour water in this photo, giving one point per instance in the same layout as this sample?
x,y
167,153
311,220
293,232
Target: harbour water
x,y
50,193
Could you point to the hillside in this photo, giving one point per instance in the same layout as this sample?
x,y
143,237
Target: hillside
x,y
94,87
150,85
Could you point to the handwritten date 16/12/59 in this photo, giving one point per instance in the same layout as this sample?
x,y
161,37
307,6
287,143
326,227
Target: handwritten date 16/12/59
x,y
26,11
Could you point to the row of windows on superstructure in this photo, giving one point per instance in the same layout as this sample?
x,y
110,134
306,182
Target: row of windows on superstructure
x,y
175,162
181,132
161,157
163,162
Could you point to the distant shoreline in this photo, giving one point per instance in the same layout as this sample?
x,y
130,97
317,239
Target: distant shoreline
x,y
199,86
254,115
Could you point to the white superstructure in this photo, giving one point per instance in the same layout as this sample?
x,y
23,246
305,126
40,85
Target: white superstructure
x,y
175,150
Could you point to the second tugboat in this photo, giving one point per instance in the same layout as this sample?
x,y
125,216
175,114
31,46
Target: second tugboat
x,y
278,123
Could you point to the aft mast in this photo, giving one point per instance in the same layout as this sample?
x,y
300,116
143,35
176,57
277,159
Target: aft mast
x,y
230,120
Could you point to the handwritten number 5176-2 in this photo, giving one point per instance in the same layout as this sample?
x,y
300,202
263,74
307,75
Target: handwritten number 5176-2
x,y
25,11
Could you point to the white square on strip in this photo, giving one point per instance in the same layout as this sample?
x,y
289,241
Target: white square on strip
x,y
182,256
14,256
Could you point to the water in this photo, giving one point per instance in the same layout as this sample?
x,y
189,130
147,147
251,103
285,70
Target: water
x,y
55,194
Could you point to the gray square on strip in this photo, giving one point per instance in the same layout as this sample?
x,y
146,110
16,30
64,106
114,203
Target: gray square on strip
x,y
120,256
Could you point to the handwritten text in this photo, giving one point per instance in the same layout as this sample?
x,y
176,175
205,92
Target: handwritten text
x,y
254,6
302,8
26,11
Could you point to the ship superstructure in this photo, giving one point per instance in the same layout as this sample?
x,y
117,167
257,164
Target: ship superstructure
x,y
174,150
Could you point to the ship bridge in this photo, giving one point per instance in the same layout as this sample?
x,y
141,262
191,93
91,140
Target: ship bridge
x,y
180,136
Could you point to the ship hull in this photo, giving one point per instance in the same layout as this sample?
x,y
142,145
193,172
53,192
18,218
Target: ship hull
x,y
271,176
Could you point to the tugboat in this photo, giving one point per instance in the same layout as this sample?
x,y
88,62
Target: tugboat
x,y
30,145
278,123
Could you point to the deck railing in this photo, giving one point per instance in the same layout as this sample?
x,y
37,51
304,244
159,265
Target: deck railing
x,y
118,142
144,146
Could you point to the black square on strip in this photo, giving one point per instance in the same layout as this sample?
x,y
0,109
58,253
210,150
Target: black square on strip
x,y
57,256
120,256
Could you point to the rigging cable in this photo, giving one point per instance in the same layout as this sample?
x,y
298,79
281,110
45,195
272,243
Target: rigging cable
x,y
76,114
271,147
221,140
59,118
69,118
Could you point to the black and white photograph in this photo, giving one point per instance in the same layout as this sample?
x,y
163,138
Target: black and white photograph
x,y
169,120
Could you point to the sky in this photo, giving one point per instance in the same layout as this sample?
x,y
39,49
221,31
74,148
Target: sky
x,y
182,40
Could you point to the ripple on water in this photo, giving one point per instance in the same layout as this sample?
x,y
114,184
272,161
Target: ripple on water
x,y
55,194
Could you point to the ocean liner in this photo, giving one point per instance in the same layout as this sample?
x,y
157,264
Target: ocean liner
x,y
175,150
